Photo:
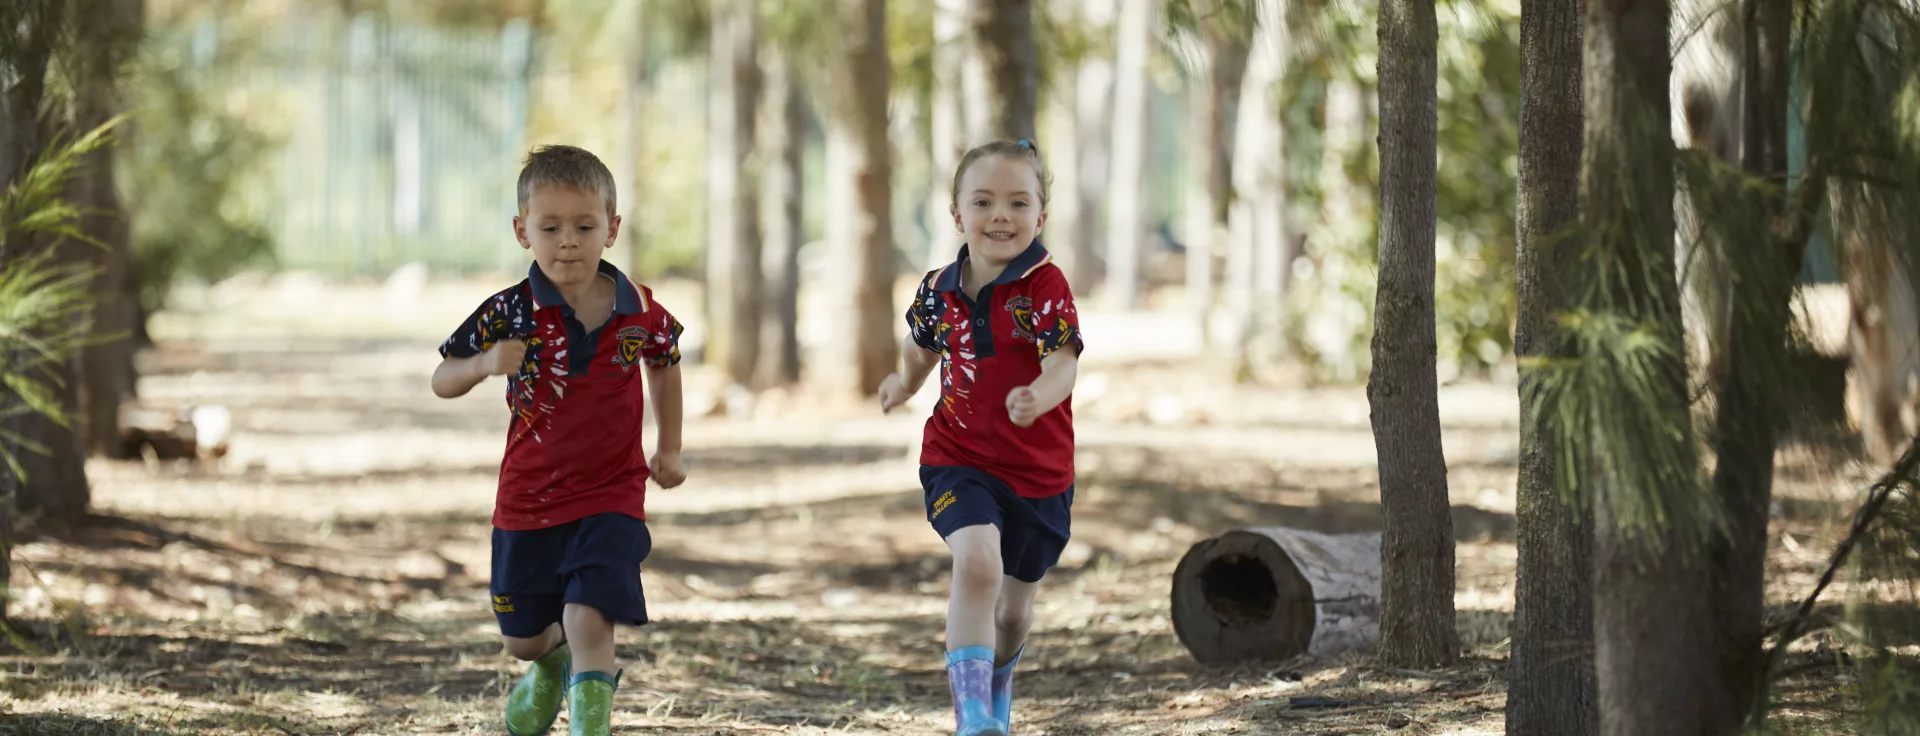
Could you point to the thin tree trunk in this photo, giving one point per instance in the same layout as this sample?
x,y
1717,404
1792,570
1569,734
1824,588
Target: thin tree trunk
x,y
734,279
946,126
1126,227
862,169
634,102
1757,334
1213,104
1416,627
1093,87
107,364
1003,42
785,135
1260,248
1063,150
1550,681
1653,630
9,483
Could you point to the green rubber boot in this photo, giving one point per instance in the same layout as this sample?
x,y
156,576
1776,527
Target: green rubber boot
x,y
535,700
590,703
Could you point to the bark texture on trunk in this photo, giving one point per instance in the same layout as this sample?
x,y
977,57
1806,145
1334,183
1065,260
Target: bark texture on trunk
x,y
785,133
1748,405
1213,105
946,126
1093,100
1550,683
1653,628
1417,623
107,372
859,143
1126,227
1550,678
734,279
634,101
1003,42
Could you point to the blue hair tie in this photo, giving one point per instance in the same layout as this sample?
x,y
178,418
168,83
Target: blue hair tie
x,y
1025,144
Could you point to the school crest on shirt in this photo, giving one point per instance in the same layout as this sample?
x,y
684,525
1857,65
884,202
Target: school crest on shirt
x,y
632,341
1022,310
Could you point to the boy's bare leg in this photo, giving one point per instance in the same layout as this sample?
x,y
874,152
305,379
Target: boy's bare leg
x,y
590,690
590,635
535,700
534,647
1013,618
976,586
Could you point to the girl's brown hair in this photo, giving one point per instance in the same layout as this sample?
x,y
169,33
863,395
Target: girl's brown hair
x,y
1021,149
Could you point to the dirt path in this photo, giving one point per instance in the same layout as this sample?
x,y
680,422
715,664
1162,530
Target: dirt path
x,y
329,577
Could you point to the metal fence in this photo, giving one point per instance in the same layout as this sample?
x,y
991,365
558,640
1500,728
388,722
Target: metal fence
x,y
401,143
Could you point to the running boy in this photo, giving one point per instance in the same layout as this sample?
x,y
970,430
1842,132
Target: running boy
x,y
997,460
569,530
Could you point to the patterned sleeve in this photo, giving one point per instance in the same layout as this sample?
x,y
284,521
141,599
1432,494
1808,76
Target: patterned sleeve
x,y
663,333
1056,322
924,315
502,316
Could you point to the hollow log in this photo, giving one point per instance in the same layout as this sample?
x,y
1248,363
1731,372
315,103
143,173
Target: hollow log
x,y
1273,593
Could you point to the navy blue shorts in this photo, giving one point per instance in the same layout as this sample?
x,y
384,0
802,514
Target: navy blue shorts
x,y
1033,531
593,561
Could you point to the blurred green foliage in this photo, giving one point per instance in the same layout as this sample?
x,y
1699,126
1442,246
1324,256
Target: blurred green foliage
x,y
1330,306
195,174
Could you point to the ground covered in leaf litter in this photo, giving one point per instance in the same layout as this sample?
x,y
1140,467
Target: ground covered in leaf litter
x,y
329,575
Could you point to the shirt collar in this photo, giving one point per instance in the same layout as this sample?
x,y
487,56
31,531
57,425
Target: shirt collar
x,y
626,294
1033,257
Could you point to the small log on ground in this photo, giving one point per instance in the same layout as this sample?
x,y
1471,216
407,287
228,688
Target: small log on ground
x,y
1274,593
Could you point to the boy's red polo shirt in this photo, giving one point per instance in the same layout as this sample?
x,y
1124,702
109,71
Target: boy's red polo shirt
x,y
990,344
578,402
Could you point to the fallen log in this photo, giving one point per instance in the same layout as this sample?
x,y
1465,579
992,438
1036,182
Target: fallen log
x,y
1273,593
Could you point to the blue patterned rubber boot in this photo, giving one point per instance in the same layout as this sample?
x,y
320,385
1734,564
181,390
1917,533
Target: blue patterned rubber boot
x,y
535,700
1003,689
970,672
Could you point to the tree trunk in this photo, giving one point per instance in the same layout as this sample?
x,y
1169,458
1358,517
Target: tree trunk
x,y
1550,681
862,175
55,486
1653,632
1416,628
634,102
785,135
946,127
734,279
107,363
1092,91
1213,101
1260,248
1126,225
1274,593
1002,40
1757,334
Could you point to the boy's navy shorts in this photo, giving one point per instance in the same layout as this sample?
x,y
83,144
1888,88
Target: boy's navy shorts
x,y
1033,531
594,561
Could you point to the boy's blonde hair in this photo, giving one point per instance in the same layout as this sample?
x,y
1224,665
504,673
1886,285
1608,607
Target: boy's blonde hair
x,y
557,165
1021,149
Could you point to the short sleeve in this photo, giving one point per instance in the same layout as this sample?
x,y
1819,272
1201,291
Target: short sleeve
x,y
663,333
502,316
1055,320
925,315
